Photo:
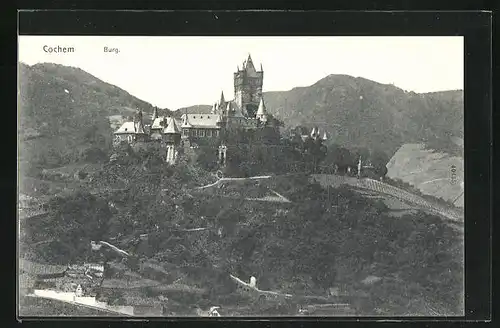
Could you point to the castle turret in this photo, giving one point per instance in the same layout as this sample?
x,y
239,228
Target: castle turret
x,y
171,137
222,101
261,111
155,114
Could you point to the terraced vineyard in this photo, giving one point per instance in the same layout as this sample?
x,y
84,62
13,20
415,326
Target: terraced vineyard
x,y
330,180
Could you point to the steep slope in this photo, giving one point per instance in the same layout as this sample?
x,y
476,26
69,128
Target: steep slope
x,y
63,114
434,173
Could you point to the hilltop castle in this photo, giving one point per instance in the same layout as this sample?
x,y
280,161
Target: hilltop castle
x,y
246,111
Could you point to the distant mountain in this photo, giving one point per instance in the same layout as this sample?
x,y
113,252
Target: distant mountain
x,y
63,114
356,112
196,109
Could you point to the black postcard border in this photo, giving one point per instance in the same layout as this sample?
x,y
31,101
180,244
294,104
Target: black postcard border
x,y
474,26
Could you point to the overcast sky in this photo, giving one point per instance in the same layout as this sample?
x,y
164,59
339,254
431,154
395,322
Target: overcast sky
x,y
175,72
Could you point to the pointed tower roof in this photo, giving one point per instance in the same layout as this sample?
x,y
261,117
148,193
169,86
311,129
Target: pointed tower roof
x,y
249,67
261,69
222,100
171,127
155,114
262,108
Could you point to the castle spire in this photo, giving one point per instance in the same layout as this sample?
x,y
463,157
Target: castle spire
x,y
261,69
249,65
222,100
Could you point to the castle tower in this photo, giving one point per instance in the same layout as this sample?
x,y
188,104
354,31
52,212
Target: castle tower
x,y
171,137
248,87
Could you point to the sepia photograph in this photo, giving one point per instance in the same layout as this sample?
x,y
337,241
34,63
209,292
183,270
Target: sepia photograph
x,y
240,176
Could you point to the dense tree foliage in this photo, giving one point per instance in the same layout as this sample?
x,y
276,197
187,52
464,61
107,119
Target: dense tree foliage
x,y
321,240
73,221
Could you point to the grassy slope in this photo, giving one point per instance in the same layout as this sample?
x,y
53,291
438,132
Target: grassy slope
x,y
416,165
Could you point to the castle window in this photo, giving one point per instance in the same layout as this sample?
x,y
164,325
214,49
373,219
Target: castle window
x,y
201,116
194,116
186,132
216,133
130,138
209,133
201,133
